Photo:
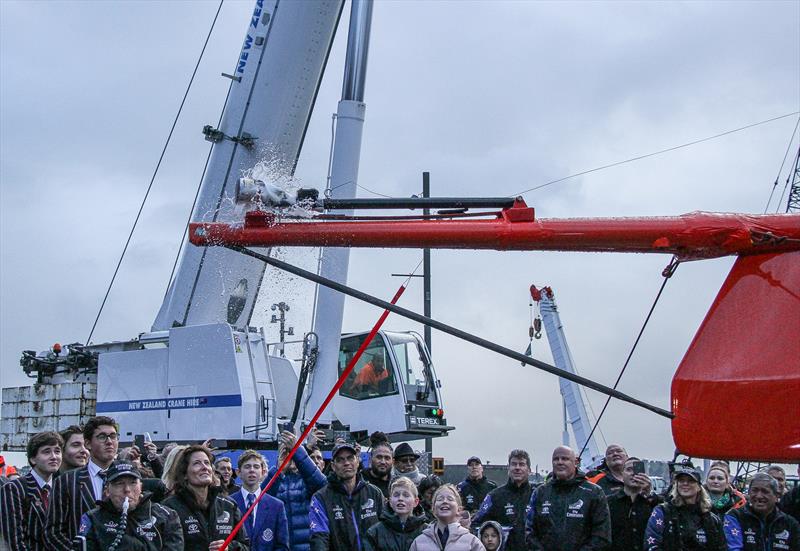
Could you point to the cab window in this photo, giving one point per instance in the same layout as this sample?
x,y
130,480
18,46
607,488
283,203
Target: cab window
x,y
372,375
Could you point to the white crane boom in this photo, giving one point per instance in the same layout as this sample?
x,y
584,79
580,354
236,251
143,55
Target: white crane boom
x,y
575,413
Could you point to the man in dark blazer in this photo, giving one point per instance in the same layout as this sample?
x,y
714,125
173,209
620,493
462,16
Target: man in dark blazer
x,y
24,501
267,527
76,492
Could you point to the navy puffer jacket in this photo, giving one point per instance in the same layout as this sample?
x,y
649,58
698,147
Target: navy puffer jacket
x,y
295,491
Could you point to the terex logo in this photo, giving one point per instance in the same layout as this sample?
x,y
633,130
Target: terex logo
x,y
427,421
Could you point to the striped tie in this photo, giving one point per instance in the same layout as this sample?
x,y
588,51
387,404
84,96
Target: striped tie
x,y
251,520
45,491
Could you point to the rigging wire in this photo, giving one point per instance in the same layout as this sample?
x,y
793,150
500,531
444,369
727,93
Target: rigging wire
x,y
155,173
654,153
668,272
780,170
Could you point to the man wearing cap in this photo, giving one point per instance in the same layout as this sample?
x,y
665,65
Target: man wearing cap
x,y
474,488
140,524
405,464
509,503
568,513
342,511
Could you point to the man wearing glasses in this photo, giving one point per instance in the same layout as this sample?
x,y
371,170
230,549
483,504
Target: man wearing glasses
x,y
75,492
342,511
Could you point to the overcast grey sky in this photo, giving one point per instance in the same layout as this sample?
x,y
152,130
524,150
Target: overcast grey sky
x,y
490,97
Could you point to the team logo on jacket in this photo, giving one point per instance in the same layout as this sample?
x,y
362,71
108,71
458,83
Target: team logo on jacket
x,y
509,507
224,518
367,509
192,525
701,536
782,535
574,509
146,532
750,535
546,507
267,535
338,513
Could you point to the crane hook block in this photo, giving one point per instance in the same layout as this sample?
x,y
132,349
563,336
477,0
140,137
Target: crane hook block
x,y
537,328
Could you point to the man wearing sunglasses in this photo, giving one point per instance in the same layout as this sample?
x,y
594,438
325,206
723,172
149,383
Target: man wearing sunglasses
x,y
76,492
405,463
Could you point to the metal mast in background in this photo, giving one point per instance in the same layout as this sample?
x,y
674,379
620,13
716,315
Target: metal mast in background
x,y
334,261
793,204
426,285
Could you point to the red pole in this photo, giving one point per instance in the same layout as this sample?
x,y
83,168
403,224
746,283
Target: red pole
x,y
317,415
689,236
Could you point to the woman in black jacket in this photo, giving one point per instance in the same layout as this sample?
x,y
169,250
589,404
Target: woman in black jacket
x,y
685,522
398,525
207,516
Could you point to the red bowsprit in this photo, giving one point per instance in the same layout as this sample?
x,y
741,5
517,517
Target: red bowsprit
x,y
736,394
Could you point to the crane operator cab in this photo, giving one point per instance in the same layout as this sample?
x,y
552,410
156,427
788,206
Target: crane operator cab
x,y
392,387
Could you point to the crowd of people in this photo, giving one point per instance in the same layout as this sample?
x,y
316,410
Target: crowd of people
x,y
83,492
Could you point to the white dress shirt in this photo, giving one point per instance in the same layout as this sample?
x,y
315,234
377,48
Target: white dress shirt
x,y
246,493
97,480
41,481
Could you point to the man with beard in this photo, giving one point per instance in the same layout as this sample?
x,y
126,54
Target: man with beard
x,y
568,513
508,504
379,472
474,488
342,512
75,492
760,525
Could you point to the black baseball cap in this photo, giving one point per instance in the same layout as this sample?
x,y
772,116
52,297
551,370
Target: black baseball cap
x,y
121,468
474,459
343,446
687,470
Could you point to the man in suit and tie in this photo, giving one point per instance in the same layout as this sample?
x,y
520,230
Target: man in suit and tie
x,y
76,492
24,501
267,527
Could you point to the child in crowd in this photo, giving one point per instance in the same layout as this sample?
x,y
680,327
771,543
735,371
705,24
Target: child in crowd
x,y
491,534
446,533
398,525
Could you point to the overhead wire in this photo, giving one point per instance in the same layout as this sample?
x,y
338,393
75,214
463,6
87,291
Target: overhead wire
x,y
668,272
155,173
653,154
